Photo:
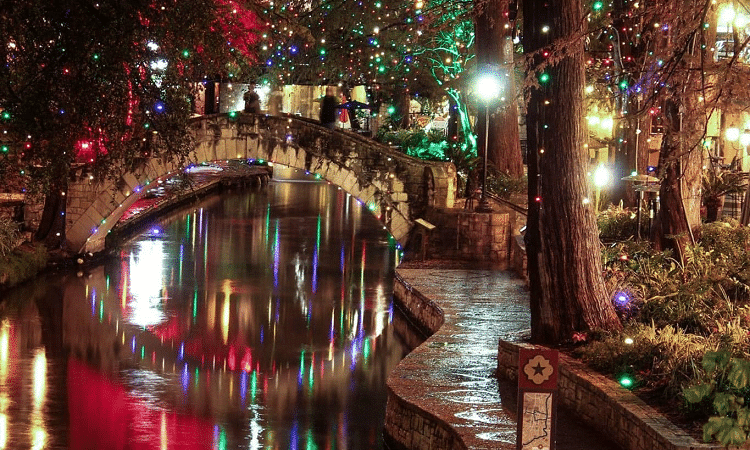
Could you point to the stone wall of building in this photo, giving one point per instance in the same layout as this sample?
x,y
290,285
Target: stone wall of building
x,y
605,405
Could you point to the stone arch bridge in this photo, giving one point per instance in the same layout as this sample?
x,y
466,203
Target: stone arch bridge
x,y
395,187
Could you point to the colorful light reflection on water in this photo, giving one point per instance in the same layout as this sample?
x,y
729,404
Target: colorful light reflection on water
x,y
254,320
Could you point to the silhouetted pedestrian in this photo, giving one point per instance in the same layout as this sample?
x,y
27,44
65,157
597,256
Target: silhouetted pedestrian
x,y
328,109
252,102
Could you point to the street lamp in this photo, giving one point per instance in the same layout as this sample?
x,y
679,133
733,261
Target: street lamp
x,y
488,86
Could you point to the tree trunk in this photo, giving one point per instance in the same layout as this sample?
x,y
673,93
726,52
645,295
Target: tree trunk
x,y
671,229
568,293
494,46
51,229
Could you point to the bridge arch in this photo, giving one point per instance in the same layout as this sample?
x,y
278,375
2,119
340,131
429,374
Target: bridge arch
x,y
395,187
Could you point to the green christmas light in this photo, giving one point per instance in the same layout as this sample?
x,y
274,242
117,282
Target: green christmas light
x,y
597,6
186,53
391,109
544,78
232,114
95,56
623,84
626,381
6,115
4,149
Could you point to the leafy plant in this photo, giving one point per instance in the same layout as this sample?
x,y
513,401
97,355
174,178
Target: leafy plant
x,y
503,185
616,223
22,264
726,390
716,183
9,236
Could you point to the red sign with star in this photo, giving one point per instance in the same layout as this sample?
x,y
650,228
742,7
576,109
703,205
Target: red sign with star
x,y
537,369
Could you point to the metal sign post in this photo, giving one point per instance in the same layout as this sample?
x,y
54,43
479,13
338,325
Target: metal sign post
x,y
537,399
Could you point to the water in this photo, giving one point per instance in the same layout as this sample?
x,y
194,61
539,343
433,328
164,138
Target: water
x,y
256,320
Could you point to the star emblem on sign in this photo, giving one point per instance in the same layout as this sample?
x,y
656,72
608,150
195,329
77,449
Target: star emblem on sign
x,y
538,369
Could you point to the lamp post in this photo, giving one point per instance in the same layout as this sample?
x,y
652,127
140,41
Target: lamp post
x,y
488,86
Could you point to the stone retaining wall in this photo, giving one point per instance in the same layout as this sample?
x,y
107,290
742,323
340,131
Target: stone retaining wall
x,y
605,405
407,426
465,235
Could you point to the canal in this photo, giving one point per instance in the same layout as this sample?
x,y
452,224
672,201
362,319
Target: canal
x,y
254,319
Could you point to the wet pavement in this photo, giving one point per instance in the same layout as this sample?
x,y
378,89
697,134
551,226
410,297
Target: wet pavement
x,y
452,374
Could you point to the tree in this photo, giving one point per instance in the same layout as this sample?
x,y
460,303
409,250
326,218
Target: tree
x,y
568,294
107,85
494,29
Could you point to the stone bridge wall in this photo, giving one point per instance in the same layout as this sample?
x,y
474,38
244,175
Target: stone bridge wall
x,y
395,187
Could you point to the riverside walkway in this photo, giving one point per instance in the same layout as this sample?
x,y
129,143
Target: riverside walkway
x,y
451,375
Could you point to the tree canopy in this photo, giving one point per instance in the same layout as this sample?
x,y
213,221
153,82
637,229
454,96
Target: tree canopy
x,y
102,82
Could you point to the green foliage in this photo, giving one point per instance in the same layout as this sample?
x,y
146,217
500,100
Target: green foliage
x,y
22,264
616,223
660,359
107,84
8,236
717,182
504,185
724,390
430,146
678,317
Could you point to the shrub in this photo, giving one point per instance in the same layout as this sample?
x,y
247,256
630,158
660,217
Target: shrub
x,y
679,316
616,223
22,264
9,236
725,391
660,359
504,185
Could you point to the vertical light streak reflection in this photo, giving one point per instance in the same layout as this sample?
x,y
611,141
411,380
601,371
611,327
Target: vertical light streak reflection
x,y
39,388
310,444
380,307
163,437
4,351
253,386
146,282
316,257
204,235
362,285
255,431
182,257
268,222
243,387
185,379
4,365
294,435
225,310
301,375
276,257
195,305
3,426
331,334
40,377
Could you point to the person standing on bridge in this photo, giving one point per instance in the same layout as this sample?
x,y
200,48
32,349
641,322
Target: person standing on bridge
x,y
328,109
252,101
